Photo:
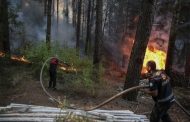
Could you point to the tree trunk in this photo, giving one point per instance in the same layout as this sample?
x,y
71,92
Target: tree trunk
x,y
88,30
98,37
53,6
125,30
1,27
83,20
105,19
124,60
57,12
139,47
48,31
74,12
78,26
45,7
172,38
4,27
67,10
91,24
187,62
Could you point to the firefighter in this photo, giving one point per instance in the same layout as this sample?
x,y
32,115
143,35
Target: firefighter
x,y
161,92
53,72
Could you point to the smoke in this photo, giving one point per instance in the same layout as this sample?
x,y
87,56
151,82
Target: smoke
x,y
31,14
33,19
63,31
158,38
160,32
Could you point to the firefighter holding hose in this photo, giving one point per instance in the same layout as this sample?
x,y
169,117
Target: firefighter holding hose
x,y
53,72
161,92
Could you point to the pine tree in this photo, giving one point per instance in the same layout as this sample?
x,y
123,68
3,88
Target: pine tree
x,y
4,27
139,47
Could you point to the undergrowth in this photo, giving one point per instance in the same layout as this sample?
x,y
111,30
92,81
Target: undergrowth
x,y
77,81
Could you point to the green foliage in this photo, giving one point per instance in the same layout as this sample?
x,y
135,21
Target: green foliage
x,y
37,53
79,80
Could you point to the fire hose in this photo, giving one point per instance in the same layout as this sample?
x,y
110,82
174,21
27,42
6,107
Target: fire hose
x,y
98,106
41,82
143,85
116,96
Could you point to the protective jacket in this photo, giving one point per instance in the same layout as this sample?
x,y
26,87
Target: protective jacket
x,y
53,64
161,82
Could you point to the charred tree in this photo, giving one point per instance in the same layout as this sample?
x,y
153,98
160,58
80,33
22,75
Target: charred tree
x,y
98,37
4,27
48,31
78,26
139,47
88,31
172,38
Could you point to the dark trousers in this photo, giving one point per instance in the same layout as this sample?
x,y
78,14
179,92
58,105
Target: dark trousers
x,y
52,80
159,111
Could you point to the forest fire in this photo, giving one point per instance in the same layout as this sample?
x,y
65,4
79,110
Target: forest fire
x,y
2,54
67,68
20,59
16,58
156,55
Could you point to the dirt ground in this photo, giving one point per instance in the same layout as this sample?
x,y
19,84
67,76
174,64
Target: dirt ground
x,y
29,91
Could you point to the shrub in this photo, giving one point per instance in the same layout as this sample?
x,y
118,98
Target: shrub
x,y
79,81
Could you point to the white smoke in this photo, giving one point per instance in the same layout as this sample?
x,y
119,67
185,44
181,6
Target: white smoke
x,y
63,31
31,14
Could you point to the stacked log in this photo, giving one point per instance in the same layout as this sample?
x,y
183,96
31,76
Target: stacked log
x,y
32,113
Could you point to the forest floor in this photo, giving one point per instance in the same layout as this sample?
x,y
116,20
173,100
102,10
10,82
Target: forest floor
x,y
29,91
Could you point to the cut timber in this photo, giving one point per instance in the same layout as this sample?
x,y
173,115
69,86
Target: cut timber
x,y
4,109
26,119
33,113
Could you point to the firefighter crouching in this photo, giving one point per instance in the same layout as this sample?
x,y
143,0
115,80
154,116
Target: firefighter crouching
x,y
161,92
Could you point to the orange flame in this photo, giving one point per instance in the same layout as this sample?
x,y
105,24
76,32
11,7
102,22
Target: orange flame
x,y
65,68
2,54
16,58
20,59
156,55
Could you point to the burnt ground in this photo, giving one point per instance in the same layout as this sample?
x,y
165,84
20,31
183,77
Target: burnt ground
x,y
28,91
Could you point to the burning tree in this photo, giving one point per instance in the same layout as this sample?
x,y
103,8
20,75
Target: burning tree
x,y
139,47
